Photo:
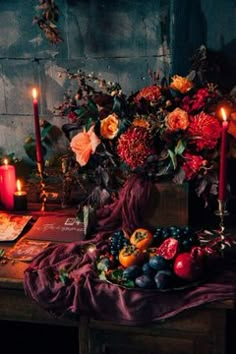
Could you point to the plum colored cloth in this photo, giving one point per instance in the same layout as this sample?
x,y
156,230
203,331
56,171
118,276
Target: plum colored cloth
x,y
127,211
82,292
85,293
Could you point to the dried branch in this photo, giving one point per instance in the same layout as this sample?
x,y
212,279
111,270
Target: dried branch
x,y
47,20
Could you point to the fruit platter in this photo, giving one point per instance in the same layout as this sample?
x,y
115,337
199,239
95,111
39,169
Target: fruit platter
x,y
169,258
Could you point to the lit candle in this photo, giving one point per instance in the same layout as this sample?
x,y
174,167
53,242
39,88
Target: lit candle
x,y
20,198
7,184
223,161
39,153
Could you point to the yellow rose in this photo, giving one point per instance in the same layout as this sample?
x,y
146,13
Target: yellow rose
x,y
176,120
181,84
109,126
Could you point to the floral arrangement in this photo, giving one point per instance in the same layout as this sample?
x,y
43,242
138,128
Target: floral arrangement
x,y
166,131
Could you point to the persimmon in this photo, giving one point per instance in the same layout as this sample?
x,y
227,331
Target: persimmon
x,y
141,238
130,255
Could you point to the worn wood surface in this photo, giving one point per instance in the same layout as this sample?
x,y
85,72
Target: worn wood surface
x,y
204,327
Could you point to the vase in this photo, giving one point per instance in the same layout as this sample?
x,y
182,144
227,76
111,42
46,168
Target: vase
x,y
168,205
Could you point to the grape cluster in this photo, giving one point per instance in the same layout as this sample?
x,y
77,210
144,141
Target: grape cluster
x,y
184,234
117,242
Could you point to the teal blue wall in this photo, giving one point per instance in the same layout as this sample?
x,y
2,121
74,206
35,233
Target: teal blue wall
x,y
120,39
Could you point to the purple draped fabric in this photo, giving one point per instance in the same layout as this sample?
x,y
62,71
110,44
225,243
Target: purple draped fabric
x,y
128,210
84,293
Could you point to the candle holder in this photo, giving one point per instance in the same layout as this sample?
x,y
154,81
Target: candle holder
x,y
43,194
223,239
218,239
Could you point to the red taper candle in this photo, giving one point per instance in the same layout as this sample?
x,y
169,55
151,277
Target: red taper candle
x,y
223,159
39,152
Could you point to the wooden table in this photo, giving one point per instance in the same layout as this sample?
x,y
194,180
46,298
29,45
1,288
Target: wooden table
x,y
202,329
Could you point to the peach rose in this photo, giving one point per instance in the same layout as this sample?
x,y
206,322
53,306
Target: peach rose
x,y
177,120
109,126
181,84
83,145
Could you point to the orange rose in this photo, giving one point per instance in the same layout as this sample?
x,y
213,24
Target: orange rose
x,y
141,122
109,126
181,84
84,144
177,120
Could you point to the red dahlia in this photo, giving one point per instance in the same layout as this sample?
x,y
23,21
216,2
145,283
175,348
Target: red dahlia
x,y
134,146
204,130
192,165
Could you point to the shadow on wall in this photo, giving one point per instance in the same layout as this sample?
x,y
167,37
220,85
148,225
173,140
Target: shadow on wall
x,y
188,34
228,64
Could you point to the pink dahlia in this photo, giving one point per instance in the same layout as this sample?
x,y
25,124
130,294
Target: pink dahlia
x,y
134,146
204,130
192,165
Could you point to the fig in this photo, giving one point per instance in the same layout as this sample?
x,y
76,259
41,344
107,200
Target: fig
x,y
148,270
163,279
132,272
145,281
158,263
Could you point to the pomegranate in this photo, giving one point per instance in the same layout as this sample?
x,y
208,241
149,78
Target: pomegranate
x,y
189,265
168,249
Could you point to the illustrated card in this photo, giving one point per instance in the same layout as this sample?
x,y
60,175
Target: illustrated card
x,y
26,250
11,226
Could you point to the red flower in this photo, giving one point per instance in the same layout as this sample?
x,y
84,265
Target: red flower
x,y
204,131
72,117
192,165
134,146
198,101
149,93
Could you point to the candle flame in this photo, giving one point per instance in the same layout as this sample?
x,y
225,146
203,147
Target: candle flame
x,y
18,185
223,113
5,162
34,93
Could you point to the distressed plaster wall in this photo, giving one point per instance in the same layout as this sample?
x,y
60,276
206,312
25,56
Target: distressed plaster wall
x,y
120,39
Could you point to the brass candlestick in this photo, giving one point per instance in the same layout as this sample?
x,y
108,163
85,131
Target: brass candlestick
x,y
224,240
218,238
43,194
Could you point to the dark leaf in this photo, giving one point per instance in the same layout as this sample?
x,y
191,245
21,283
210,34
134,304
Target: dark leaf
x,y
180,147
173,158
68,128
179,177
89,122
201,187
46,130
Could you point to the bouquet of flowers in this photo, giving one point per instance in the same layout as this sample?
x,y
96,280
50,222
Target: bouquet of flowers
x,y
168,131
